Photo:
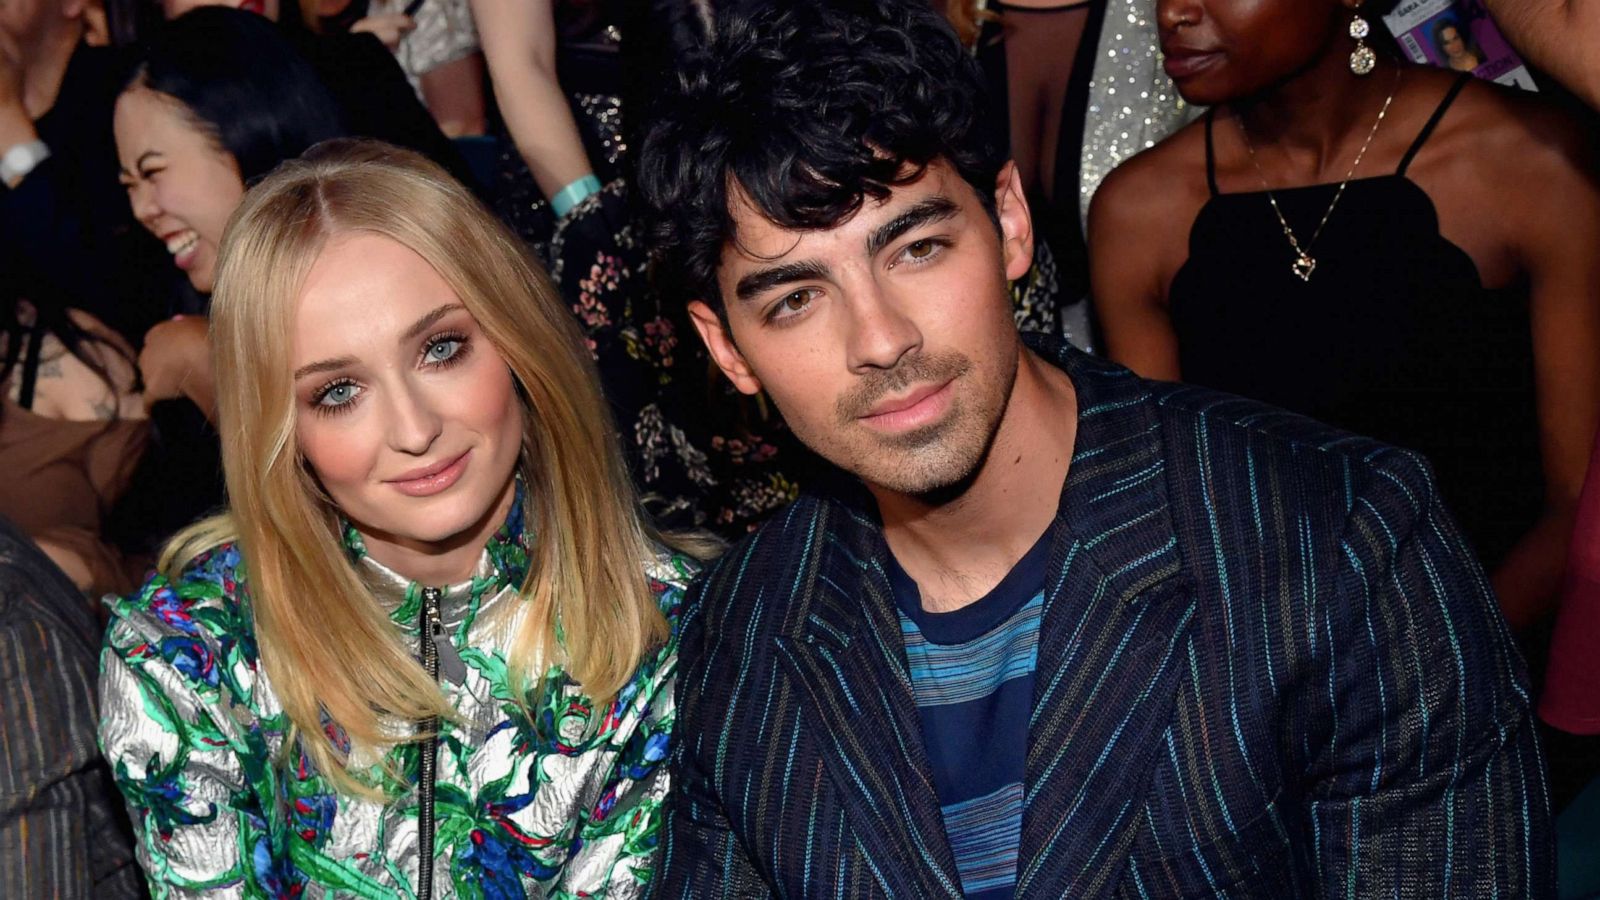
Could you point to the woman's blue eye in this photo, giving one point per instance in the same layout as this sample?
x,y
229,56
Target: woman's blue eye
x,y
338,395
441,350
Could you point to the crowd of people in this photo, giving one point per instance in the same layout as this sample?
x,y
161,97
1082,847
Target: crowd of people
x,y
873,448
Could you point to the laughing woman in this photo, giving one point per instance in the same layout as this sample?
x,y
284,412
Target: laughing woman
x,y
429,650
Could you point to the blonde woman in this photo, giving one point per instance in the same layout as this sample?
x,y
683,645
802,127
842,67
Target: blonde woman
x,y
429,649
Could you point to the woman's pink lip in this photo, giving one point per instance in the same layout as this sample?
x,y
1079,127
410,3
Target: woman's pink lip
x,y
915,410
430,480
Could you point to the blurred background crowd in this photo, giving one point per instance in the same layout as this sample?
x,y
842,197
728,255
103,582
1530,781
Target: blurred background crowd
x,y
1456,310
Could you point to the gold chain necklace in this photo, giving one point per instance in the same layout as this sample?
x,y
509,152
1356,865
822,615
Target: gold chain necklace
x,y
1304,263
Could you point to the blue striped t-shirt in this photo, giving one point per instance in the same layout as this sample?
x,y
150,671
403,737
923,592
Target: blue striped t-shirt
x,y
972,676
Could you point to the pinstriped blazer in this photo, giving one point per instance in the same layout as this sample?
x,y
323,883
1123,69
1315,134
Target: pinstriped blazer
x,y
1268,667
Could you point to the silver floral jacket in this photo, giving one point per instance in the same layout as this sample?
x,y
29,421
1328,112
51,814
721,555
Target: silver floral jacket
x,y
564,806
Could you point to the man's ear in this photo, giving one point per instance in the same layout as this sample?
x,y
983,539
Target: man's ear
x,y
714,332
1016,222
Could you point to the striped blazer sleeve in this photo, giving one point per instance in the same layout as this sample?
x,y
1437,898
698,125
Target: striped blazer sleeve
x,y
1424,772
61,835
700,857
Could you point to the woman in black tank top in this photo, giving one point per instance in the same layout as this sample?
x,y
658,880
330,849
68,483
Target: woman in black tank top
x,y
1404,253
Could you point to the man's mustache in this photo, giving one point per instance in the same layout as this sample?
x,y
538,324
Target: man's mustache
x,y
919,369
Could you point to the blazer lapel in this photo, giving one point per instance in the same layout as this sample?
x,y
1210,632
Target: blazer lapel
x,y
849,657
1117,608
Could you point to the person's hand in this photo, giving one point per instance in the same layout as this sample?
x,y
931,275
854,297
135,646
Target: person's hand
x,y
388,28
176,361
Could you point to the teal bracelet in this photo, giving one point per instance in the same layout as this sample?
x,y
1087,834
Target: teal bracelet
x,y
573,194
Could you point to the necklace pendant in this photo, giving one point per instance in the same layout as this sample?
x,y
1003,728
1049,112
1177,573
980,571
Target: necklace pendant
x,y
1304,265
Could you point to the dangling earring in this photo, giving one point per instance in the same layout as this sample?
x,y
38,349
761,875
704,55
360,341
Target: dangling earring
x,y
1362,59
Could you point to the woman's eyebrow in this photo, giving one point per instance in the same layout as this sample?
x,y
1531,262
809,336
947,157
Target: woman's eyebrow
x,y
417,328
326,365
138,164
427,321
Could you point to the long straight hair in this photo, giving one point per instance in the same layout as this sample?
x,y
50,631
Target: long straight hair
x,y
327,645
243,84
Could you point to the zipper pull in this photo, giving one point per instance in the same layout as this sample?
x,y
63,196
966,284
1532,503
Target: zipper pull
x,y
451,668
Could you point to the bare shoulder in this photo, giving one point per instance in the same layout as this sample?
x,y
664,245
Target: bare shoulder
x,y
1150,201
93,381
1152,186
1140,220
1507,133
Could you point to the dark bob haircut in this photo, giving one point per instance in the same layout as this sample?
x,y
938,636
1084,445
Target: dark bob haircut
x,y
809,107
243,83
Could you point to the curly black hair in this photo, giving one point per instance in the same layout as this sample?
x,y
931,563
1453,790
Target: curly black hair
x,y
808,107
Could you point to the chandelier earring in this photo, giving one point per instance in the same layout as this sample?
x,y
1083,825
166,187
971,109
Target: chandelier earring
x,y
1362,59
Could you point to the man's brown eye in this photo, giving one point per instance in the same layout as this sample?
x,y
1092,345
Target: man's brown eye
x,y
796,300
920,249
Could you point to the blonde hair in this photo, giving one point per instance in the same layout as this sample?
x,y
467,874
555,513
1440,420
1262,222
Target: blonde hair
x,y
327,644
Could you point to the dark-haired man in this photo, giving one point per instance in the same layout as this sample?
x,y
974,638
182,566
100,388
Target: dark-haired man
x,y
1056,631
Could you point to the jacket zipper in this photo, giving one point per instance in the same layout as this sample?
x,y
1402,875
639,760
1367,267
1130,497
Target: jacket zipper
x,y
428,759
439,658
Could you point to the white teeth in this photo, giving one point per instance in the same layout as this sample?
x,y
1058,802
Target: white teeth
x,y
180,243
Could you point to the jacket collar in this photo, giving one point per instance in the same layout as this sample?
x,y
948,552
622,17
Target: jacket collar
x,y
1115,498
1107,669
1115,622
502,564
1114,504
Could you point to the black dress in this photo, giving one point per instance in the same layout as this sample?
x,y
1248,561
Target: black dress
x,y
1394,335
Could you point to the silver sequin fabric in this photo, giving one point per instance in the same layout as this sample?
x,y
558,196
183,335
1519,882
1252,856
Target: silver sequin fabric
x,y
445,32
1132,103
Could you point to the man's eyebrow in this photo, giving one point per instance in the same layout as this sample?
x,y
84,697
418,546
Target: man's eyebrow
x,y
923,212
426,322
763,280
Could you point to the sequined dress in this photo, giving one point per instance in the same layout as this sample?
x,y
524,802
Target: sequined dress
x,y
564,805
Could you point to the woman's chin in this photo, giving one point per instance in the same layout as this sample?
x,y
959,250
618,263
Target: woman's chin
x,y
201,280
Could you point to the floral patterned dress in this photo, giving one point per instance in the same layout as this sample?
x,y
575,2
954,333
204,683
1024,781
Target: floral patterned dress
x,y
567,805
701,455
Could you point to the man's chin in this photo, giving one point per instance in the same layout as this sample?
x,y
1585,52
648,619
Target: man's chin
x,y
931,482
947,491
